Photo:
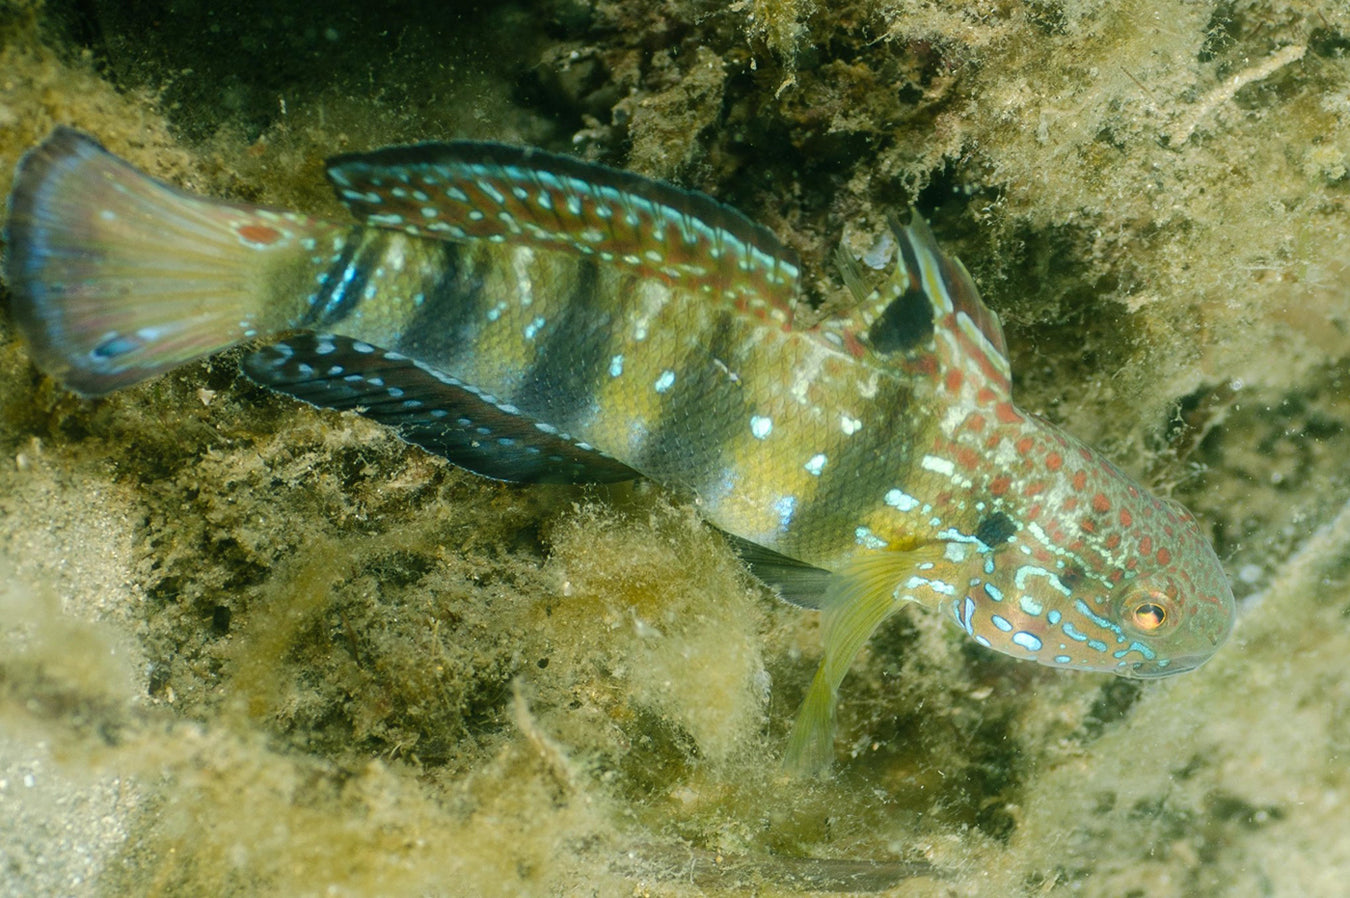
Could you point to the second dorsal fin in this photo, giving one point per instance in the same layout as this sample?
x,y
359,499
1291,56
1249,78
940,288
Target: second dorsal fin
x,y
469,190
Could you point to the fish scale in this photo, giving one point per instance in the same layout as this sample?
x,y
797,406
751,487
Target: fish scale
x,y
534,318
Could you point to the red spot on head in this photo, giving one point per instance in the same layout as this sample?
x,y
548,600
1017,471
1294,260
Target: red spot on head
x,y
1126,519
1079,480
1164,557
985,396
968,458
262,235
1005,412
999,485
1069,504
1033,512
1034,489
954,379
1146,546
1054,461
1087,526
1112,541
1023,446
1116,575
975,421
1101,504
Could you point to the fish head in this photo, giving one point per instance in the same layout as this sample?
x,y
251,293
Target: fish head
x,y
1182,612
1152,617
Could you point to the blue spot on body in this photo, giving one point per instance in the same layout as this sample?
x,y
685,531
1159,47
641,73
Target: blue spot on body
x,y
964,613
901,500
867,539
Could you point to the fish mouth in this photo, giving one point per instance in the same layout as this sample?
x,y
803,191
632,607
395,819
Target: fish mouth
x,y
1157,670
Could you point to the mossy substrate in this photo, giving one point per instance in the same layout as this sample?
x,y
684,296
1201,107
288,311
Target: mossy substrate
x,y
248,647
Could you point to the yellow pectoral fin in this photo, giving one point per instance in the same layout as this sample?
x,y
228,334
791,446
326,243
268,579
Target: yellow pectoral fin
x,y
857,599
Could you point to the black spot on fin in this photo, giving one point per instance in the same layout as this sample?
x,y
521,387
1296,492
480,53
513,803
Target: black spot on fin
x,y
436,412
953,305
904,325
796,582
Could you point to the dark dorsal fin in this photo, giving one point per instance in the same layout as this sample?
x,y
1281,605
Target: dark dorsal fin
x,y
430,410
466,189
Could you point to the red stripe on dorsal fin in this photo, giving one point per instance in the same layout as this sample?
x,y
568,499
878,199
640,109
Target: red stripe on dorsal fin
x,y
467,190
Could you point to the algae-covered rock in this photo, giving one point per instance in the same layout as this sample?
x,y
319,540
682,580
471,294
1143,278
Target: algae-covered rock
x,y
249,647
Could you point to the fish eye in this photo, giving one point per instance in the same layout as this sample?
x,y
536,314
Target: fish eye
x,y
1148,615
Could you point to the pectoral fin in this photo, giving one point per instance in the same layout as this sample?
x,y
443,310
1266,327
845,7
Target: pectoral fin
x,y
857,599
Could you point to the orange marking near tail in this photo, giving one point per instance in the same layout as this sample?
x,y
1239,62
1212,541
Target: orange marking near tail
x,y
261,235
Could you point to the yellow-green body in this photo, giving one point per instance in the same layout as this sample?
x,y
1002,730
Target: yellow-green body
x,y
534,318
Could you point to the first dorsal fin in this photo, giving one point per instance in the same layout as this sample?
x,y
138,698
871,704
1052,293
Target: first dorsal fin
x,y
428,409
468,190
930,316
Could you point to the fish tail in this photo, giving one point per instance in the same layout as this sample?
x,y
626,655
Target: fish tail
x,y
115,277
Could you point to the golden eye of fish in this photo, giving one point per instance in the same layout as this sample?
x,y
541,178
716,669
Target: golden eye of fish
x,y
1149,616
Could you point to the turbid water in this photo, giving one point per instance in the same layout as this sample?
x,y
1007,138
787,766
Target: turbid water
x,y
248,647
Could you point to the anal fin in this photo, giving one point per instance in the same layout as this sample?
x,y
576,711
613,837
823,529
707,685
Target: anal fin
x,y
428,409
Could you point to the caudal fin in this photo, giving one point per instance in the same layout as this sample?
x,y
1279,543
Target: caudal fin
x,y
115,277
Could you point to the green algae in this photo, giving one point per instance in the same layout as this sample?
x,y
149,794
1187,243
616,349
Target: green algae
x,y
317,660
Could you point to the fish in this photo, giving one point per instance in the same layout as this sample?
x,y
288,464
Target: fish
x,y
534,318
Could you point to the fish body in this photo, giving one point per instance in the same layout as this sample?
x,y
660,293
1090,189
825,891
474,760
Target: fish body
x,y
536,319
